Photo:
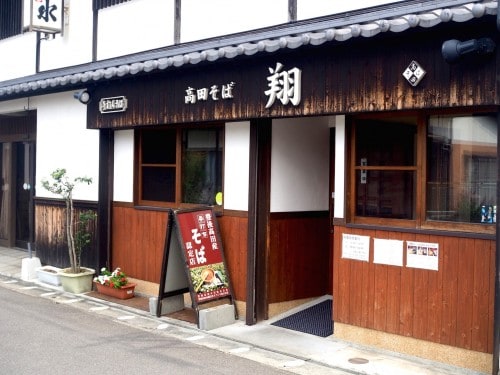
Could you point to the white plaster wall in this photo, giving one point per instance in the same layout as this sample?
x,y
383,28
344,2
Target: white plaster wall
x,y
236,161
300,164
123,177
338,209
18,56
141,25
135,26
17,105
74,46
64,142
203,19
26,13
317,8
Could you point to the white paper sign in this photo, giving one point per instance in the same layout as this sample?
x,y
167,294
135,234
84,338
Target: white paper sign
x,y
388,252
422,255
356,247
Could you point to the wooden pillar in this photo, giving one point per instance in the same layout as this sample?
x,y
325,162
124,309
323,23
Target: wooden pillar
x,y
496,316
106,160
258,219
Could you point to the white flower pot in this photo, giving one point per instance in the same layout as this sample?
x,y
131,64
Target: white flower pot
x,y
49,275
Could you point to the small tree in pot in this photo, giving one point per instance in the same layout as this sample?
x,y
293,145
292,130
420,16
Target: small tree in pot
x,y
62,185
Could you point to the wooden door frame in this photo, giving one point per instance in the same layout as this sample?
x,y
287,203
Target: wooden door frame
x,y
18,127
29,243
259,198
332,204
105,197
10,239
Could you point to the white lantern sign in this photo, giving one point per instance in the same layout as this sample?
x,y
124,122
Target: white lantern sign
x,y
47,16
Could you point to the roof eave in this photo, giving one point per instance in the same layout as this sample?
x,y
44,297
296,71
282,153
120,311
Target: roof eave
x,y
336,28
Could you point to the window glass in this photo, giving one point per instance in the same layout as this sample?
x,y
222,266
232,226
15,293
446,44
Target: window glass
x,y
194,171
158,169
462,168
385,143
201,166
160,146
158,184
385,170
386,194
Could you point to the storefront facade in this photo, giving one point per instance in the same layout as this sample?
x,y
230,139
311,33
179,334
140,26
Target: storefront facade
x,y
387,208
353,160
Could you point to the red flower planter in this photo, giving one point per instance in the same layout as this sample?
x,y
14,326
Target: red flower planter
x,y
125,292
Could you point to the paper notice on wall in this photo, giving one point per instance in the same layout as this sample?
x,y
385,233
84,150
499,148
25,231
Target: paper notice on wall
x,y
388,252
422,255
356,247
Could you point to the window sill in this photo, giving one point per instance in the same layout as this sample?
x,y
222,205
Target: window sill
x,y
183,206
377,221
478,228
464,230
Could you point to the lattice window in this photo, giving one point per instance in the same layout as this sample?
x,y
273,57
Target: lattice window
x,y
100,4
11,18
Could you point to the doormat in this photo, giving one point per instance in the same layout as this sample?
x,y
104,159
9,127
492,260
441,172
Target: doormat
x,y
315,320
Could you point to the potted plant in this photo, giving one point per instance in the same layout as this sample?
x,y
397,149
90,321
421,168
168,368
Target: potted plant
x,y
114,284
75,279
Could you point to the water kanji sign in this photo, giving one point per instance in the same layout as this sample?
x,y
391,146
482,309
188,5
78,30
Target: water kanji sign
x,y
47,16
202,247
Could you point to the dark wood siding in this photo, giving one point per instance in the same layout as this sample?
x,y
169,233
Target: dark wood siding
x,y
298,260
298,265
234,235
18,127
452,306
349,77
138,237
50,236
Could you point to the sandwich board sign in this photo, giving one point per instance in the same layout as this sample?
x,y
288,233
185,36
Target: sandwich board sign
x,y
193,243
173,278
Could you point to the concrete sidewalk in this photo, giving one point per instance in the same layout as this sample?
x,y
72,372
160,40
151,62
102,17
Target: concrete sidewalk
x,y
304,351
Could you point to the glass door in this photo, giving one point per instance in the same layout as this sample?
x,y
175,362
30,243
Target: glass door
x,y
16,194
24,194
5,193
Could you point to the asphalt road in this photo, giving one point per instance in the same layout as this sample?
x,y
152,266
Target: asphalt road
x,y
40,336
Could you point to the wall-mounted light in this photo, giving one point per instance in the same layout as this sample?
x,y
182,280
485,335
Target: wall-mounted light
x,y
453,49
83,96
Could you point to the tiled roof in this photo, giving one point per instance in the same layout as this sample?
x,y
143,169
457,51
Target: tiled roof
x,y
340,28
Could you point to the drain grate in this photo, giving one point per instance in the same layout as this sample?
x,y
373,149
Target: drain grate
x,y
358,361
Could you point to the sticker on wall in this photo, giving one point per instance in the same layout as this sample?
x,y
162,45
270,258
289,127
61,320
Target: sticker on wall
x,y
414,73
388,252
356,247
218,198
422,255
